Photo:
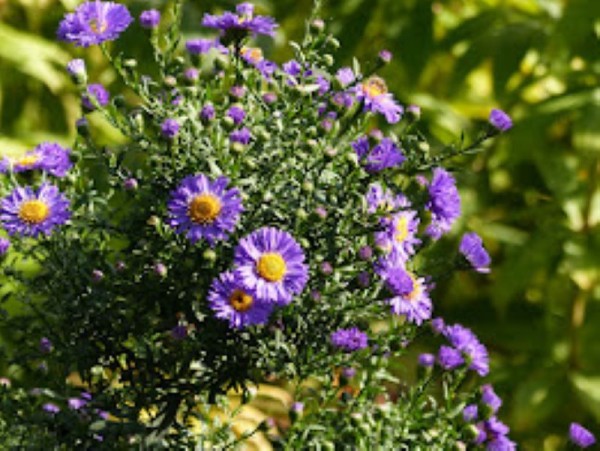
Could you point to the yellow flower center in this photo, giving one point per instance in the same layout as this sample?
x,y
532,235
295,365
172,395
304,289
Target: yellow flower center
x,y
103,25
374,87
34,211
254,54
241,301
271,266
28,160
401,229
204,208
417,288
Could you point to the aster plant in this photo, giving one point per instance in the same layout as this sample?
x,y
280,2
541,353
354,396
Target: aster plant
x,y
265,222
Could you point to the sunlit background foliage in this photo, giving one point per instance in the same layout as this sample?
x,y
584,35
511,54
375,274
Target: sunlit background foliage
x,y
534,197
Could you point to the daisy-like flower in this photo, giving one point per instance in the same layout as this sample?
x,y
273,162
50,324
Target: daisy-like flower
x,y
581,436
490,398
379,198
349,340
49,157
29,213
270,265
232,303
374,94
410,296
98,92
474,353
399,233
254,57
444,203
93,23
242,22
493,434
472,248
384,155
203,209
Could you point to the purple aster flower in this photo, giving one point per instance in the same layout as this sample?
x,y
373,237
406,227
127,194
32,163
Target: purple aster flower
x,y
269,97
76,403
493,433
343,100
292,68
4,246
266,68
349,340
581,436
470,413
384,155
231,302
444,203
207,113
438,325
45,345
449,358
270,264
345,76
399,233
203,209
365,253
376,98
489,397
361,146
241,136
465,341
169,129
240,24
501,443
29,213
49,157
238,91
383,199
472,248
51,408
237,114
297,407
150,18
410,295
500,120
426,360
98,92
93,23
200,46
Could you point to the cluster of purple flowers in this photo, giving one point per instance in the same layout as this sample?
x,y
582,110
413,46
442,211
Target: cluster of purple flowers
x,y
465,349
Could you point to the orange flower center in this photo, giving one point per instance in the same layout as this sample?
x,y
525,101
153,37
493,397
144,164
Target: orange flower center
x,y
241,301
204,209
28,160
374,87
34,211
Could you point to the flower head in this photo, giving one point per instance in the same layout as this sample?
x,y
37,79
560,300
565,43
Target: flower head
x,y
374,94
240,23
237,114
270,265
76,69
200,46
349,340
426,360
48,157
384,155
410,295
399,232
150,18
233,303
489,397
466,342
241,136
472,248
581,436
169,128
93,23
203,209
444,203
345,76
98,92
500,120
51,408
29,213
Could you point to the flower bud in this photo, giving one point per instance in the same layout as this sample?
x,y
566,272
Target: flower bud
x,y
317,25
97,276
45,345
209,255
328,60
160,269
130,63
77,71
169,81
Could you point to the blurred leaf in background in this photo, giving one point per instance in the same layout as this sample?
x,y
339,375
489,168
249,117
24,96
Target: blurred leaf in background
x,y
534,196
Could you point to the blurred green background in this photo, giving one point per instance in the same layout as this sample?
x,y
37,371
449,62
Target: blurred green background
x,y
534,195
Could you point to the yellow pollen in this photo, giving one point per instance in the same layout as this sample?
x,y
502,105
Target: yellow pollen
x,y
34,211
271,266
374,87
204,209
252,53
401,229
417,288
241,301
28,160
98,29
